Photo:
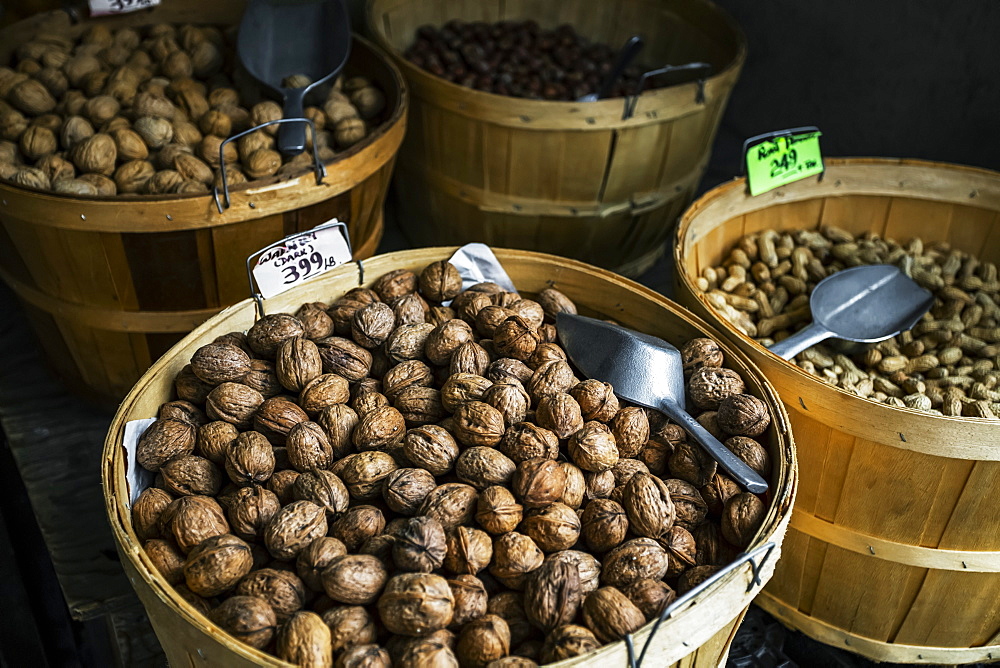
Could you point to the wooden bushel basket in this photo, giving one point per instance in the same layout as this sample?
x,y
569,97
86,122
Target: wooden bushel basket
x,y
573,179
109,284
699,630
893,551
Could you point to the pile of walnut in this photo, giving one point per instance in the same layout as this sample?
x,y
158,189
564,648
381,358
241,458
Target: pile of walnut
x,y
390,480
145,112
948,364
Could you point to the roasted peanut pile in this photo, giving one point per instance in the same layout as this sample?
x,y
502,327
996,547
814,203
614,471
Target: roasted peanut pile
x,y
948,364
388,480
145,111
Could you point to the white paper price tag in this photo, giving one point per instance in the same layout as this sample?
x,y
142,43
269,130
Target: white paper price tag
x,y
137,478
301,257
106,7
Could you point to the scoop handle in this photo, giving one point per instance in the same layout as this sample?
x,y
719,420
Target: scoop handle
x,y
292,136
743,475
799,341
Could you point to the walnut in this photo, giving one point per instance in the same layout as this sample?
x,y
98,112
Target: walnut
x,y
293,527
648,504
233,403
462,387
631,430
395,284
409,309
488,318
316,322
416,604
516,338
610,615
599,485
497,510
379,429
217,363
551,377
345,358
508,605
650,596
554,527
420,545
482,467
514,557
31,177
452,503
438,314
567,641
552,595
554,302
470,599
469,358
282,589
156,132
693,577
632,560
710,421
191,474
364,656
315,557
339,421
165,439
431,447
250,510
526,440
560,413
507,369
440,281
349,132
323,391
276,416
71,187
708,386
743,415
689,505
268,333
528,309
57,168
146,512
304,640
350,625
406,374
357,526
406,342
342,311
167,559
538,482
468,551
751,452
404,490
483,640
444,339
681,550
297,362
593,448
281,484
576,486
132,176
604,524
96,153
364,473
691,463
712,548
192,519
31,97
324,489
183,410
249,459
247,618
372,324
742,516
698,353
478,423
217,564
37,142
626,468
419,405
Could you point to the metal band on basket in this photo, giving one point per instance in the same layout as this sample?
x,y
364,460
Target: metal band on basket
x,y
318,167
703,70
755,569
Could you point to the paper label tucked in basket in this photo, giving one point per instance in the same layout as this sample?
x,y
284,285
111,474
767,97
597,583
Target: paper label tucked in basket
x,y
137,478
301,257
108,7
476,263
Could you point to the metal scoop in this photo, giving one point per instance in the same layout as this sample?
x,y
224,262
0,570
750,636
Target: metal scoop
x,y
648,371
631,49
281,38
863,304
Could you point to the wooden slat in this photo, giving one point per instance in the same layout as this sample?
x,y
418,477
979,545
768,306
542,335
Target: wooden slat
x,y
856,213
952,606
927,220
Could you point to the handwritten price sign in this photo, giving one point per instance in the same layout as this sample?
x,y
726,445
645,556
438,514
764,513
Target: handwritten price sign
x,y
106,7
301,257
782,159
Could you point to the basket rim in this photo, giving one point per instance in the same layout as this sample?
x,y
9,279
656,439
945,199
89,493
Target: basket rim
x,y
784,475
731,195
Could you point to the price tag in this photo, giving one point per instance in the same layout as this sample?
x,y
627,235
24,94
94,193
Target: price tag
x,y
107,7
776,159
301,257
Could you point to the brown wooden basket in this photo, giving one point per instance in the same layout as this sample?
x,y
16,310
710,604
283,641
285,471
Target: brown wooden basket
x,y
699,631
893,550
573,179
110,284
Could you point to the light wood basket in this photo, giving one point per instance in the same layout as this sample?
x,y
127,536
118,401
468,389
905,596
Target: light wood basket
x,y
109,284
893,550
573,179
698,633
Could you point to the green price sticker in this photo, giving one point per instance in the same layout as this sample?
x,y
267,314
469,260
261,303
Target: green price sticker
x,y
780,160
